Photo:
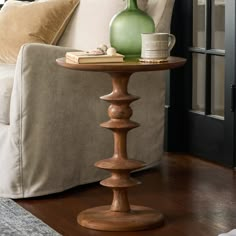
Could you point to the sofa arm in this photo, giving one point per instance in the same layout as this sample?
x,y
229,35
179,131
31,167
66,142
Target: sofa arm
x,y
50,120
43,90
55,113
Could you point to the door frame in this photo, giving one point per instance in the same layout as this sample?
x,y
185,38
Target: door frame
x,y
179,85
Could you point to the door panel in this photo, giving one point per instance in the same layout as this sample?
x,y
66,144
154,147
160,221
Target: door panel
x,y
207,31
206,128
205,137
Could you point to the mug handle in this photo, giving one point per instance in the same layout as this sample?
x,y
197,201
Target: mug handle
x,y
172,41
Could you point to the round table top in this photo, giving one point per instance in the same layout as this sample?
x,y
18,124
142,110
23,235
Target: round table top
x,y
126,66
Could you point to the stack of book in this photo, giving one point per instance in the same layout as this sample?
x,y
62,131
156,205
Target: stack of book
x,y
87,57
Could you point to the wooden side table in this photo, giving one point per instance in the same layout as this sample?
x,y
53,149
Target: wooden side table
x,y
120,216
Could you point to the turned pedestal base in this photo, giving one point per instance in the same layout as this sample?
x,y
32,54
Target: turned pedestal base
x,y
120,216
138,218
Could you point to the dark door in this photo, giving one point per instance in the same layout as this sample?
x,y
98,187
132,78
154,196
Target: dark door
x,y
205,100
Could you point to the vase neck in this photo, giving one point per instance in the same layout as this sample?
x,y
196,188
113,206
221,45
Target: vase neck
x,y
131,4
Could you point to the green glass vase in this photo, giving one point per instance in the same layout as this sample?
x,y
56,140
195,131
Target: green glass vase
x,y
126,28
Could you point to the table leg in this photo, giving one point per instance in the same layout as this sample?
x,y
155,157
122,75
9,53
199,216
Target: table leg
x,y
120,216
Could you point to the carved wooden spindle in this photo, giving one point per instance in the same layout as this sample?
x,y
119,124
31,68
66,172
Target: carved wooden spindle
x,y
119,112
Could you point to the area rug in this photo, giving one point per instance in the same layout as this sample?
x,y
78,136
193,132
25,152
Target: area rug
x,y
16,221
231,233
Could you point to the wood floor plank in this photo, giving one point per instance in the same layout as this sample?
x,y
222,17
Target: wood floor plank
x,y
196,197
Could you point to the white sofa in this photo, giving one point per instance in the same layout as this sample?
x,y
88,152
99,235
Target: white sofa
x,y
49,116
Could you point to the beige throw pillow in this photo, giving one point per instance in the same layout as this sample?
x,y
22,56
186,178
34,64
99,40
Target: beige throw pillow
x,y
42,21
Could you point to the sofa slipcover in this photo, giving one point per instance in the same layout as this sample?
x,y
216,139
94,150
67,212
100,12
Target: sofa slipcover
x,y
6,83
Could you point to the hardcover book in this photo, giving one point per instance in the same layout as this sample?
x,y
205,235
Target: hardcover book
x,y
83,57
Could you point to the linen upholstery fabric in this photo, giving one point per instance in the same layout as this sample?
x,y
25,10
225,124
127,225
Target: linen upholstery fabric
x,y
161,12
42,21
6,82
82,31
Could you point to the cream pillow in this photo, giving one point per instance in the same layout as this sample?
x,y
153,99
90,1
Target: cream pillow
x,y
89,26
42,21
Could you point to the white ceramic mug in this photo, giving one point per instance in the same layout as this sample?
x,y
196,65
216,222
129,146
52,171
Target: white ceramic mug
x,y
157,45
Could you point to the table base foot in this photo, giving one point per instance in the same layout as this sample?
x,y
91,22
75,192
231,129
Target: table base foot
x,y
102,218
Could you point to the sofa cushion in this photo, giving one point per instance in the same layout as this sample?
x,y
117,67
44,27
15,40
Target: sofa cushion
x,y
89,26
6,83
161,12
42,21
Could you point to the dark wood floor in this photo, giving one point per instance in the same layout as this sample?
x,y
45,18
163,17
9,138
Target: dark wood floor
x,y
197,198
